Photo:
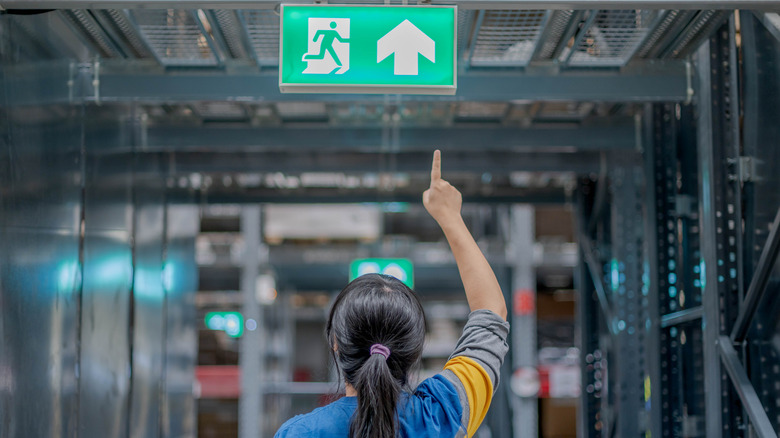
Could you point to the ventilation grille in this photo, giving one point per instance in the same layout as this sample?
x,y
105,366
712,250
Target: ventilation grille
x,y
263,30
175,36
613,37
507,38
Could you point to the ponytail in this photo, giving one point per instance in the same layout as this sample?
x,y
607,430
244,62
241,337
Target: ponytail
x,y
376,308
377,397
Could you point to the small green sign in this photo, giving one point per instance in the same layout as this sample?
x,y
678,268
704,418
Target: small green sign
x,y
368,49
231,323
401,269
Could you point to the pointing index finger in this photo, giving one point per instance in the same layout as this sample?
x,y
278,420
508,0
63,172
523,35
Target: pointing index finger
x,y
436,167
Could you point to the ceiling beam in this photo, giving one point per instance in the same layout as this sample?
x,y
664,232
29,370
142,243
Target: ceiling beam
x,y
653,82
293,161
59,82
484,138
545,195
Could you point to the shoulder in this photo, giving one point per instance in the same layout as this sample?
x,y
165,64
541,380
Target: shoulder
x,y
330,420
293,427
437,387
433,410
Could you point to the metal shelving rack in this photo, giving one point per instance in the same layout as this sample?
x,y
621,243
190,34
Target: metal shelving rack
x,y
708,262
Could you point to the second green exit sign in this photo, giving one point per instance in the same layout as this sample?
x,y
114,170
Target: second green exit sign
x,y
368,49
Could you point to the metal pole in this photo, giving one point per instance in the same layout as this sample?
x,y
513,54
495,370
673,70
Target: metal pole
x,y
250,403
521,241
653,245
626,271
747,394
758,284
710,298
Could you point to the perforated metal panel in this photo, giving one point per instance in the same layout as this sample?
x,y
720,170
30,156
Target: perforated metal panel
x,y
262,28
613,37
175,36
555,31
661,31
83,21
507,38
119,20
232,31
466,19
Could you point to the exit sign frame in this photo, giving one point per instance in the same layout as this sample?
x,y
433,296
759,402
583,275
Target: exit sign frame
x,y
290,80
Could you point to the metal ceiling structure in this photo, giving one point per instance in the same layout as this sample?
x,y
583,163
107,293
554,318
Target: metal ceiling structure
x,y
488,38
559,84
160,55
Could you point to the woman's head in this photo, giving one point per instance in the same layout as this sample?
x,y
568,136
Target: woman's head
x,y
376,309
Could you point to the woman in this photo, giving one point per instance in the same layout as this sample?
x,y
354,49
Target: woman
x,y
376,331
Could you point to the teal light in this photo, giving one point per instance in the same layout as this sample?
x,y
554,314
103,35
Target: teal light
x,y
68,276
395,207
110,269
168,275
614,275
231,323
703,274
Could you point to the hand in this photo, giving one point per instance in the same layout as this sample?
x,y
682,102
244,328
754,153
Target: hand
x,y
442,200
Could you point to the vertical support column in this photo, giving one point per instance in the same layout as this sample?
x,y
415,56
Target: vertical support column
x,y
761,102
657,199
523,323
180,281
674,329
149,299
629,292
250,361
591,421
720,218
710,298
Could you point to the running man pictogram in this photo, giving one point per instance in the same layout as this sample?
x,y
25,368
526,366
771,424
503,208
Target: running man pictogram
x,y
328,46
328,38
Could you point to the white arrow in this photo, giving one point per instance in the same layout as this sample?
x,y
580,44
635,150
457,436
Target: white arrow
x,y
407,42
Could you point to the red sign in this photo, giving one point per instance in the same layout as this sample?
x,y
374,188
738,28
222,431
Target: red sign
x,y
524,302
218,381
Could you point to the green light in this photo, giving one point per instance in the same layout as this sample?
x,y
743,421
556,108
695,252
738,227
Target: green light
x,y
401,269
231,323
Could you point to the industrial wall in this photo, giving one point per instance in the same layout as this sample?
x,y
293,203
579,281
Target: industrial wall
x,y
97,333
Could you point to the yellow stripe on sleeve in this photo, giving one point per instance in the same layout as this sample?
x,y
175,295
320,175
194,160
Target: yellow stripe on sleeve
x,y
479,389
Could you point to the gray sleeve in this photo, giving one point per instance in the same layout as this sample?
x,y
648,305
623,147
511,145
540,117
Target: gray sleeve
x,y
484,341
464,401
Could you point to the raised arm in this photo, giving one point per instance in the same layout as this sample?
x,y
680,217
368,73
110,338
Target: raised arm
x,y
443,202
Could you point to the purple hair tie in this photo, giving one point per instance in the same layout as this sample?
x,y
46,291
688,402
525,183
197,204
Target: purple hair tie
x,y
380,349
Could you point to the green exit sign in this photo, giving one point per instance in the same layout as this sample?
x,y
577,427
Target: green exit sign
x,y
368,49
401,269
231,323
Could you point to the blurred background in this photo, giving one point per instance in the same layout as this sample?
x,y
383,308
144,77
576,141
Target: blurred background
x,y
173,229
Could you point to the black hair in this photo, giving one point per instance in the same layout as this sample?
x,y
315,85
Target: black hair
x,y
376,309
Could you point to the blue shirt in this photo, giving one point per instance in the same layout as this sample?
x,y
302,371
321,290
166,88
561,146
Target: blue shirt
x,y
434,410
